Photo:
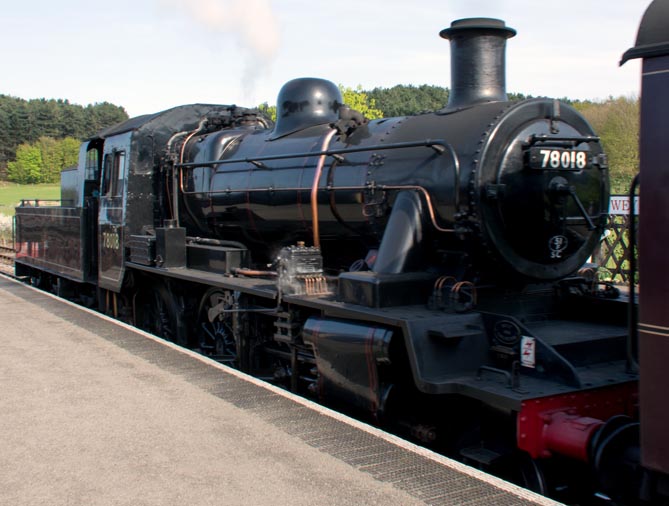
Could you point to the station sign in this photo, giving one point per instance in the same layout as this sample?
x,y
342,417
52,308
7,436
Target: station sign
x,y
620,205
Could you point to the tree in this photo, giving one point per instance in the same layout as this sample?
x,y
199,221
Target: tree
x,y
52,157
104,115
360,101
403,100
20,123
70,152
45,118
28,165
26,121
73,121
5,138
268,110
616,121
42,161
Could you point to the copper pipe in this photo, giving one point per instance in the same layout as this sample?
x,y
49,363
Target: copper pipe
x,y
250,272
182,151
167,176
428,200
314,187
458,287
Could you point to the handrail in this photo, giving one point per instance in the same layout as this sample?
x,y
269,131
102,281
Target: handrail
x,y
439,145
52,202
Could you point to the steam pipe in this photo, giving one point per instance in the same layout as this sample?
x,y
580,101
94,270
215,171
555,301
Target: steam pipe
x,y
314,187
169,151
175,187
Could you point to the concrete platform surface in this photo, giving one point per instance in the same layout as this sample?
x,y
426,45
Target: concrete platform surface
x,y
95,413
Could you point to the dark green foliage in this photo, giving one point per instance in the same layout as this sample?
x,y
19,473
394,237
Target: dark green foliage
x,y
518,96
26,121
103,115
403,100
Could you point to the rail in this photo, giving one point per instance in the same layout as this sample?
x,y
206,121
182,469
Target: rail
x,y
7,256
46,203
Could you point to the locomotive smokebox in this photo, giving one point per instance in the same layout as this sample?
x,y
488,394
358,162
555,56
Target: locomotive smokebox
x,y
478,47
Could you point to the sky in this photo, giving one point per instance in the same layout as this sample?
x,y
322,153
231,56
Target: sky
x,y
150,55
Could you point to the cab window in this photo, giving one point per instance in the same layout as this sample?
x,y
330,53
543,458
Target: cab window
x,y
114,169
92,164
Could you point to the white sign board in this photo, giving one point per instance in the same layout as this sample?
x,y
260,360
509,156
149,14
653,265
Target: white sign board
x,y
620,204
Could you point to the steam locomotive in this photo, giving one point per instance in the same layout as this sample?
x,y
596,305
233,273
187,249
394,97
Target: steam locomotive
x,y
423,272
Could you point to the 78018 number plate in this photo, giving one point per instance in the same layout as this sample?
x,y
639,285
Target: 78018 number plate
x,y
559,159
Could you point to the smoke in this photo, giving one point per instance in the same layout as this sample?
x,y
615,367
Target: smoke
x,y
252,23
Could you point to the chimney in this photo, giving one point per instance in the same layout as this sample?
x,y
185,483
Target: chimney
x,y
478,47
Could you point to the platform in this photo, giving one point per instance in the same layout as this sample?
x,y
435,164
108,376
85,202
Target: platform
x,y
95,412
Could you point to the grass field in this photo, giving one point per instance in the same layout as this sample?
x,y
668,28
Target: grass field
x,y
11,194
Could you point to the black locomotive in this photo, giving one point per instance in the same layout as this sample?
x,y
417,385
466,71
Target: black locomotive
x,y
423,271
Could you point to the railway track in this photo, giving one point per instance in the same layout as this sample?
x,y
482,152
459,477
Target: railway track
x,y
7,255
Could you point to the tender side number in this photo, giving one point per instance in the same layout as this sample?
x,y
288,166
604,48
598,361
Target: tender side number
x,y
110,240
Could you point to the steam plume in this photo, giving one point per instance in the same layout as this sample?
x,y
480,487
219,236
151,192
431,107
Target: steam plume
x,y
251,22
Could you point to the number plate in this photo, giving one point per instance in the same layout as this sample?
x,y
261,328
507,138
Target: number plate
x,y
559,159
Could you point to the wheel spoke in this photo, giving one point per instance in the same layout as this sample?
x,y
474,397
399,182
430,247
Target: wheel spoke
x,y
216,338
